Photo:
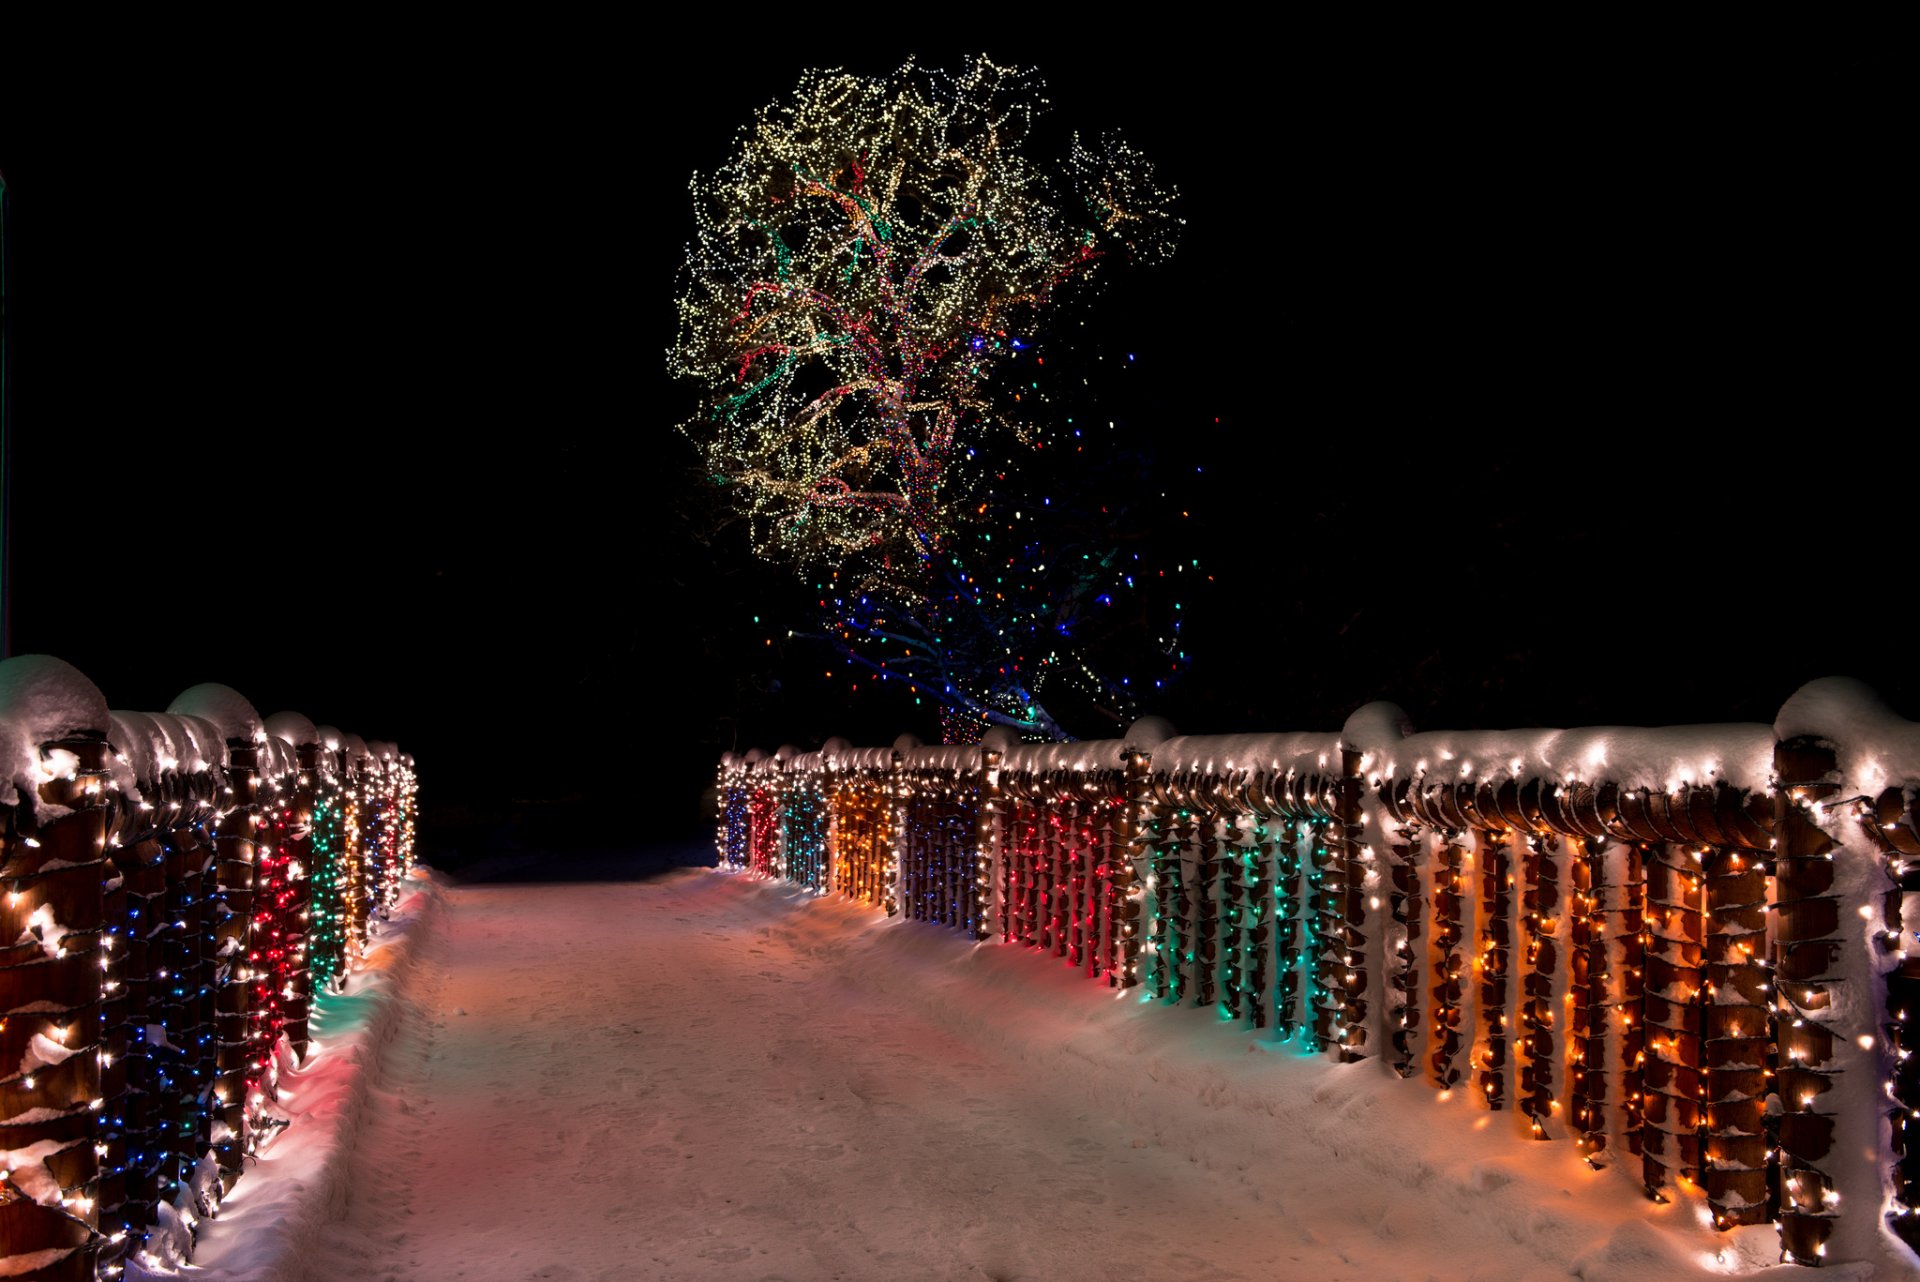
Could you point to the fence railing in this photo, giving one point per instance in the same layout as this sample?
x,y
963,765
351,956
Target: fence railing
x,y
175,888
1691,952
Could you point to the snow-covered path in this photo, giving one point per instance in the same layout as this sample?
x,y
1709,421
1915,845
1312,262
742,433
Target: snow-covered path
x,y
701,1076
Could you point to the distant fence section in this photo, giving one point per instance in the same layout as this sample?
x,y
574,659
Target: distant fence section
x,y
175,889
1691,953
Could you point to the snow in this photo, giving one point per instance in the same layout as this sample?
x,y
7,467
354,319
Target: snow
x,y
139,745
26,1169
42,1052
201,745
1877,748
43,928
1663,758
293,728
275,758
232,716
14,1266
41,699
281,1211
743,1081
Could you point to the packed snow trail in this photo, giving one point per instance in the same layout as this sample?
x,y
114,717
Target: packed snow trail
x,y
703,1076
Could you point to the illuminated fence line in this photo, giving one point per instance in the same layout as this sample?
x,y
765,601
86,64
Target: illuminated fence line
x,y
175,888
1690,952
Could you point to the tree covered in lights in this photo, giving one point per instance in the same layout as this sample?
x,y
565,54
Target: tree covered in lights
x,y
860,308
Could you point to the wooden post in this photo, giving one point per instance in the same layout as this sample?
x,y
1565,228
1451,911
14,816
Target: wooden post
x,y
61,1007
1451,966
241,1061
1406,849
1739,1038
1805,948
1589,970
1136,846
1492,964
1540,919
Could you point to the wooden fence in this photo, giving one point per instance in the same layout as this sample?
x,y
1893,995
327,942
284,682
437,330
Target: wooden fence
x,y
1689,953
175,888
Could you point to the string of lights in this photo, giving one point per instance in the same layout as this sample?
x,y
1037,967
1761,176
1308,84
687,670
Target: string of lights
x,y
151,878
1671,988
862,310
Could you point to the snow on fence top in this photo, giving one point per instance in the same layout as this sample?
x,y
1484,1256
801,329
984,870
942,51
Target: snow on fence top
x,y
1692,951
231,715
1877,749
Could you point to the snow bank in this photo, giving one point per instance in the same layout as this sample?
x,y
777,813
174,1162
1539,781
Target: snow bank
x,y
273,1216
1391,1179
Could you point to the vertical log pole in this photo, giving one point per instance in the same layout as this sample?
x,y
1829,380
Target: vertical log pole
x,y
893,831
1538,1017
1806,948
1589,971
1739,1038
58,1000
1673,978
1066,842
986,840
1894,827
1134,847
241,1056
1291,913
1406,846
1237,875
1632,1003
1182,929
296,913
1496,946
141,861
1450,962
1207,852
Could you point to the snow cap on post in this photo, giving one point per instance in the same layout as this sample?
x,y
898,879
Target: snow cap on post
x,y
1875,747
785,752
232,716
42,699
834,748
1832,710
355,748
332,738
905,743
1377,725
292,728
206,745
138,742
172,742
1146,734
1000,739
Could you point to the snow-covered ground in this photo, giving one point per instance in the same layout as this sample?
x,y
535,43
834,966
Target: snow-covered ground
x,y
703,1076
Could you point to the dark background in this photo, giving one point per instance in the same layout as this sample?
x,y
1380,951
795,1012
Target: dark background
x,y
1537,389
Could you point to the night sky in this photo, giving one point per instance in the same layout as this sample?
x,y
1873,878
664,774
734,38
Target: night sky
x,y
1523,392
